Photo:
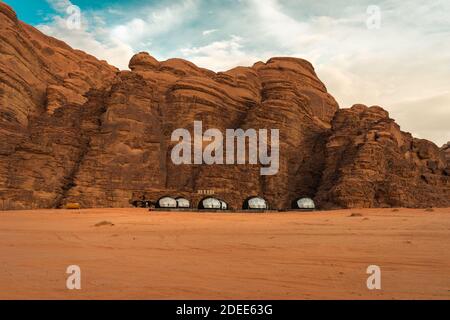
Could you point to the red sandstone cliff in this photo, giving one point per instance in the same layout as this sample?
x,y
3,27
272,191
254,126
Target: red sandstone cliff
x,y
370,162
74,129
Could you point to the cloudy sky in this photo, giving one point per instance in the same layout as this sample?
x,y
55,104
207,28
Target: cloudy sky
x,y
391,53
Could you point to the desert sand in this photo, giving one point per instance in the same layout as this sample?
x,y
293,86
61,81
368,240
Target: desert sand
x,y
158,255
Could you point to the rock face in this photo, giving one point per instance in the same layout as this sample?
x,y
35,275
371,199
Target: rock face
x,y
446,151
44,120
144,106
371,163
74,129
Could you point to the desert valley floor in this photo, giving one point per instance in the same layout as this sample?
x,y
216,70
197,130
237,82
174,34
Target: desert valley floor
x,y
135,254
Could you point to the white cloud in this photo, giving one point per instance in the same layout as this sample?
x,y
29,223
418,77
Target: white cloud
x,y
60,5
274,24
220,55
154,22
112,50
131,32
208,32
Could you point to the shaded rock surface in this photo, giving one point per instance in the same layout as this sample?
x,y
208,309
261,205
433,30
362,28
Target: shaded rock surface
x,y
75,129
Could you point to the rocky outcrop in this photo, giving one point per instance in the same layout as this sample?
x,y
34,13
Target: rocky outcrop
x,y
370,162
43,89
445,150
74,129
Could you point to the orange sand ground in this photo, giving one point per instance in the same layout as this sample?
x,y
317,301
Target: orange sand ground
x,y
321,255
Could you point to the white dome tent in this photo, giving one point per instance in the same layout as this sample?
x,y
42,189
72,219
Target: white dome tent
x,y
211,203
224,205
183,203
167,202
255,203
304,204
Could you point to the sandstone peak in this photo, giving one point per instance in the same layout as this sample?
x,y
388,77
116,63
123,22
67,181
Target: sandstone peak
x,y
143,61
375,110
292,60
180,67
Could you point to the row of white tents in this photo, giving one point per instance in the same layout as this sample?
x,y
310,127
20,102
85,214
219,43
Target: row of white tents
x,y
212,203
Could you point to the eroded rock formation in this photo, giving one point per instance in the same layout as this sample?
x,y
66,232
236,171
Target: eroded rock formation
x,y
44,86
370,162
75,129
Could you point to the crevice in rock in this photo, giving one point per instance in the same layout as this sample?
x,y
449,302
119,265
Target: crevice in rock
x,y
92,112
69,180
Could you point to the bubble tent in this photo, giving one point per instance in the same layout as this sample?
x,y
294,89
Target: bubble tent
x,y
255,203
304,203
183,203
167,202
212,203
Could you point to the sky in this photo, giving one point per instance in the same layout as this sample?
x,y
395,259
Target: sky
x,y
392,53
